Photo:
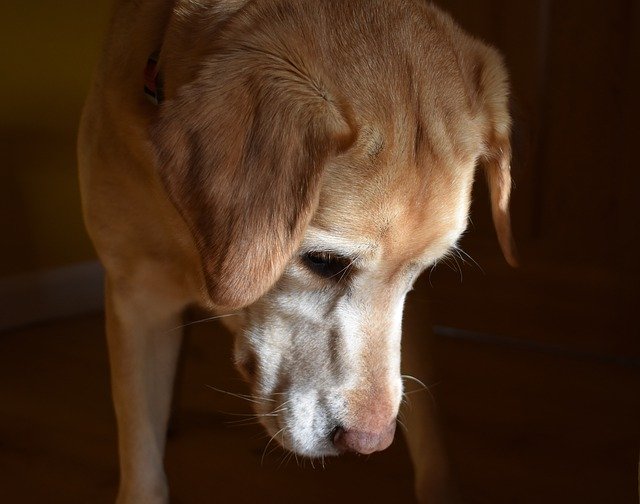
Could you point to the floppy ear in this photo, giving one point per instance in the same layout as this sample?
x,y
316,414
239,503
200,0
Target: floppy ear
x,y
241,151
493,94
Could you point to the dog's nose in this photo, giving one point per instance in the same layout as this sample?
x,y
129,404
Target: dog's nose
x,y
353,440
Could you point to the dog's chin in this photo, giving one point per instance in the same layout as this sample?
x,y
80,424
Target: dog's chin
x,y
278,426
310,446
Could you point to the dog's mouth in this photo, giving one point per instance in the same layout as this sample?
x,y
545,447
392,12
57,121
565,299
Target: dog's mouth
x,y
311,406
298,422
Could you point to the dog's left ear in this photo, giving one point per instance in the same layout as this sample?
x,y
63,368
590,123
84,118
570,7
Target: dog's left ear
x,y
493,98
241,152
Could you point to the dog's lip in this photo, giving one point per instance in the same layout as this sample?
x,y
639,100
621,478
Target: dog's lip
x,y
277,430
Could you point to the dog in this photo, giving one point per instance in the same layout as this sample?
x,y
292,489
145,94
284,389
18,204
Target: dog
x,y
296,164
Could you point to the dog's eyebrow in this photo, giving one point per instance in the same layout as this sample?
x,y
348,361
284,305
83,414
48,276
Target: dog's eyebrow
x,y
323,241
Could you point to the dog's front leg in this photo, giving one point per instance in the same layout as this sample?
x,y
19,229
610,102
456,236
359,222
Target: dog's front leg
x,y
143,350
433,484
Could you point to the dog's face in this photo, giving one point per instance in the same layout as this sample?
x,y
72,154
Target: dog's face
x,y
322,161
322,347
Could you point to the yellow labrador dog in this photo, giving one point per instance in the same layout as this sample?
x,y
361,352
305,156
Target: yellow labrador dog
x,y
299,164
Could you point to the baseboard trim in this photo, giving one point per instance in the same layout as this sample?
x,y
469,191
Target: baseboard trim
x,y
38,297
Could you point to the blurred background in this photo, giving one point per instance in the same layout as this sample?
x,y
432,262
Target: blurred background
x,y
536,371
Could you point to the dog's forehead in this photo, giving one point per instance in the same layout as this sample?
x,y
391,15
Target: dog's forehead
x,y
406,211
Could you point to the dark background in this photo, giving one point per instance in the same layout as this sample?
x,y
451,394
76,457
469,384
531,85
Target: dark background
x,y
536,371
541,397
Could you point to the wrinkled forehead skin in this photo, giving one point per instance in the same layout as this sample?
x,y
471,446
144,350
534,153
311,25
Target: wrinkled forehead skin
x,y
405,183
401,212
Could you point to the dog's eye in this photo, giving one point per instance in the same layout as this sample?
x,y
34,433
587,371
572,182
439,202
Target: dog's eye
x,y
327,265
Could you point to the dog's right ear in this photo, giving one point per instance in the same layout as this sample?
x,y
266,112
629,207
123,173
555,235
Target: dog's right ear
x,y
240,151
493,97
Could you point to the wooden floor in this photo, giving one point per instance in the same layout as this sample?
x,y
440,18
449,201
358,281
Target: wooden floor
x,y
523,426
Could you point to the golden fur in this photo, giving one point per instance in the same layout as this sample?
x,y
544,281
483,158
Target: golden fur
x,y
284,122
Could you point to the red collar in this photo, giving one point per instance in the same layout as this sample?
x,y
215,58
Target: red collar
x,y
152,80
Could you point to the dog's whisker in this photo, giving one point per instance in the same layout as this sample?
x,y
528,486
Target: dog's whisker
x,y
446,260
281,409
244,421
276,446
254,418
450,260
420,390
283,459
251,417
200,321
250,398
267,446
286,403
286,458
431,270
344,271
413,378
260,436
433,398
293,456
471,259
457,253
411,392
424,387
247,422
458,267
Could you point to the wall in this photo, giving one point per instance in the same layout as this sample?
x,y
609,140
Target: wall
x,y
49,49
575,72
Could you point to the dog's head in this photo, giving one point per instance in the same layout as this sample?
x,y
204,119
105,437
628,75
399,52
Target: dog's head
x,y
323,157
